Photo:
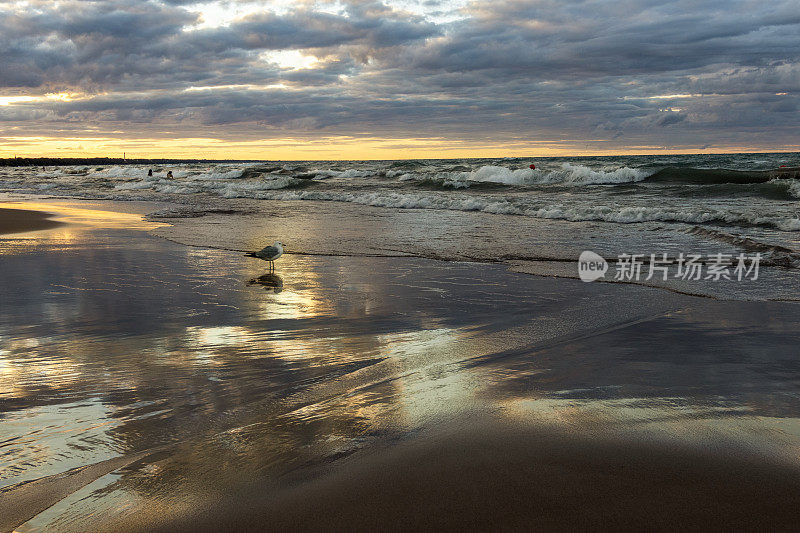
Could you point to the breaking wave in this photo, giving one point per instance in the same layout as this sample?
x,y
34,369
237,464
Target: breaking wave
x,y
574,213
573,174
214,184
790,186
500,175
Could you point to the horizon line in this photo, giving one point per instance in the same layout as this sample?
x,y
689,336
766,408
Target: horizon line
x,y
256,160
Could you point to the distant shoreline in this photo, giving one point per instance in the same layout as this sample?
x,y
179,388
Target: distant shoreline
x,y
68,161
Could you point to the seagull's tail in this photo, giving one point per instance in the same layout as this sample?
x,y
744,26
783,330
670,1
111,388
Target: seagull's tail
x,y
251,254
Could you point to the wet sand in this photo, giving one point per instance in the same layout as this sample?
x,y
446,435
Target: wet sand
x,y
23,220
487,476
148,385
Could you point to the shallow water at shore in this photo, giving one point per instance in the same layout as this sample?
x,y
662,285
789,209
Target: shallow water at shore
x,y
542,247
118,344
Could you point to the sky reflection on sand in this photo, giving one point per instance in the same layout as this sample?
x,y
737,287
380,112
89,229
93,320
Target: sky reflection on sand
x,y
115,342
161,332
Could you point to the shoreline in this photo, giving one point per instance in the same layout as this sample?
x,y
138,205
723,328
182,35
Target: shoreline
x,y
208,226
25,220
540,247
252,224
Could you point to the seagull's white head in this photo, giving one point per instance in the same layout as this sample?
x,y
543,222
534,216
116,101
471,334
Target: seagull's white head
x,y
277,244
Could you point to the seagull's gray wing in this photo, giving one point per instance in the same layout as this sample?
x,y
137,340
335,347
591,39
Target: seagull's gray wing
x,y
267,252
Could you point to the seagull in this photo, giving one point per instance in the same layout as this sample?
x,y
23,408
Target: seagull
x,y
269,253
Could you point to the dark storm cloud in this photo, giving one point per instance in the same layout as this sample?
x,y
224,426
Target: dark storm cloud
x,y
636,69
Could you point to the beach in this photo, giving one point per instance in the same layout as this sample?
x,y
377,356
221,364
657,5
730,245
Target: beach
x,y
399,265
532,480
24,220
152,382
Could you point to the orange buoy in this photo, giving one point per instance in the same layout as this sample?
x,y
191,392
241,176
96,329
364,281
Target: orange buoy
x,y
532,167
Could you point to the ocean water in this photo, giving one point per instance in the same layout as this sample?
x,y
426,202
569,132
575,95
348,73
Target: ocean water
x,y
741,190
481,209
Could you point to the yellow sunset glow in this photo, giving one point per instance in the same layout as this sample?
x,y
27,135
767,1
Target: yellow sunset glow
x,y
332,148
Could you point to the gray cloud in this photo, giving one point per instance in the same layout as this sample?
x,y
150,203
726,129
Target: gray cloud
x,y
634,71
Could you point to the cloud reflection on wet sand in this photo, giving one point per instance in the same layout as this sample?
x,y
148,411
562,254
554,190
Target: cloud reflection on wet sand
x,y
116,343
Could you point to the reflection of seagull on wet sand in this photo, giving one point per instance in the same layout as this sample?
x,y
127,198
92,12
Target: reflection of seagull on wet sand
x,y
269,281
269,253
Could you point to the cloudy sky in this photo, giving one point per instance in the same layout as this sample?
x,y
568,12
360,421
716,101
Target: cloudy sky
x,y
406,78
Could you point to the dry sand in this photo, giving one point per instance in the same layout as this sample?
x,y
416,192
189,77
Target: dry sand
x,y
494,477
22,220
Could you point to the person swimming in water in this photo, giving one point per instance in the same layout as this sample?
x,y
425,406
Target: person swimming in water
x,y
169,175
150,173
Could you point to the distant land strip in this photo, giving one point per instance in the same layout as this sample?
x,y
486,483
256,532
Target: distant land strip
x,y
67,161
